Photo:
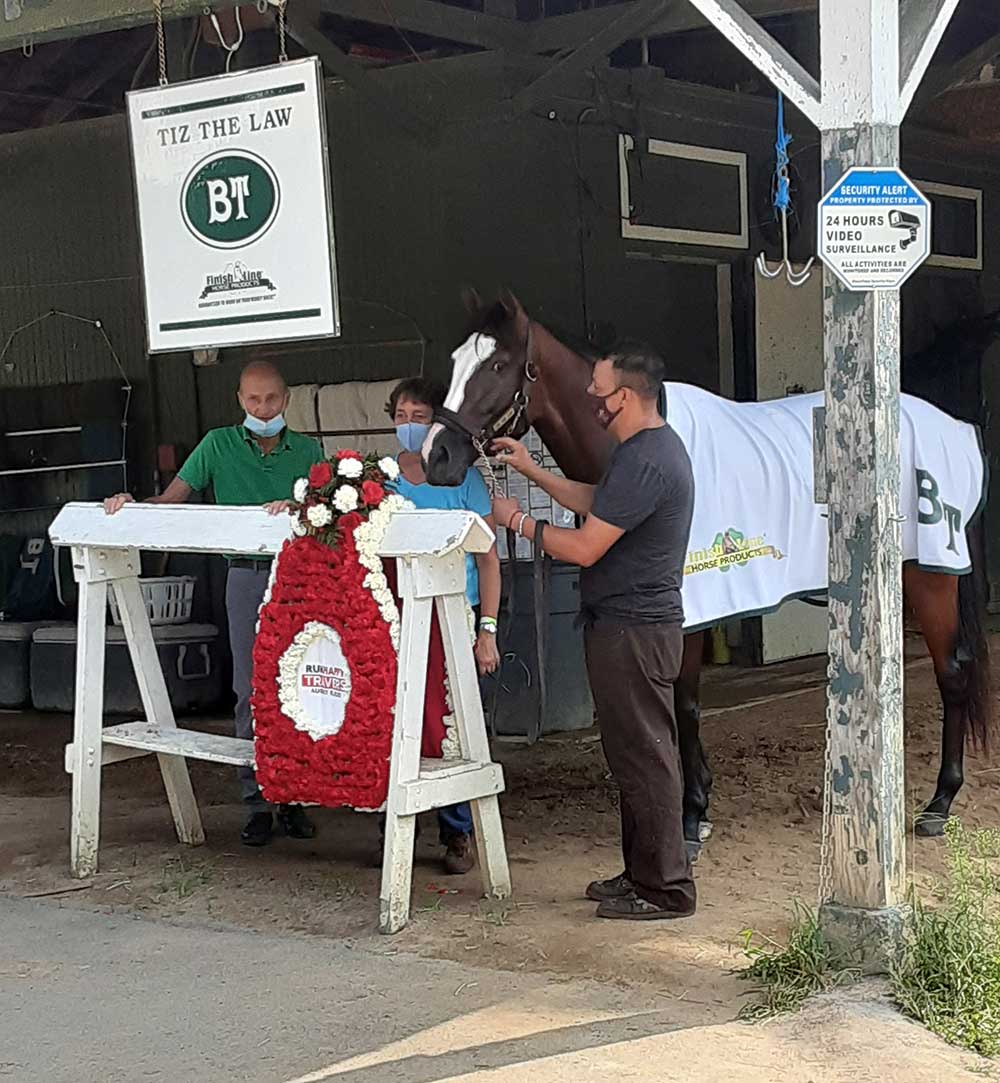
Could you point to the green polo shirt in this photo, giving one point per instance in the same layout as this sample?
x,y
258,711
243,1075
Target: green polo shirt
x,y
232,462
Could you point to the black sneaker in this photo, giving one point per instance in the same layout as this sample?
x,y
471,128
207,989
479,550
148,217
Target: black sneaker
x,y
292,819
618,887
634,908
259,829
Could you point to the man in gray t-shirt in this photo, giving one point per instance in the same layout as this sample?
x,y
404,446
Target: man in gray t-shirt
x,y
631,548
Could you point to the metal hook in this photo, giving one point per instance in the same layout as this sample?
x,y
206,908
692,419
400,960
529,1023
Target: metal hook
x,y
795,278
262,7
28,48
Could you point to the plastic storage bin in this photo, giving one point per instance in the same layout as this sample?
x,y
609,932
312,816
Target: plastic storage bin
x,y
15,662
189,656
168,599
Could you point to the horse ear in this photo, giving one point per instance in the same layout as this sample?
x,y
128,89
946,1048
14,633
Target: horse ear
x,y
472,301
511,305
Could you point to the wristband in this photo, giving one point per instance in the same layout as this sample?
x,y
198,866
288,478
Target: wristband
x,y
488,625
520,525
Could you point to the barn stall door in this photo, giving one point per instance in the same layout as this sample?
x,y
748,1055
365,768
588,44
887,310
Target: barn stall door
x,y
789,337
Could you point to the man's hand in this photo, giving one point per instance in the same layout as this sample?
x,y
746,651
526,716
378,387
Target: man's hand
x,y
513,453
504,509
487,655
276,507
115,503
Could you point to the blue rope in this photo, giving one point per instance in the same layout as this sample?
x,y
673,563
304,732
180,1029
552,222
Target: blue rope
x,y
782,197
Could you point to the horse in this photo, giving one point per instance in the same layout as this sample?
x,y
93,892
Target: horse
x,y
531,379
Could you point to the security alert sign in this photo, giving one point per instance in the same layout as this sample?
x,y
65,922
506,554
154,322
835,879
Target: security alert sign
x,y
874,229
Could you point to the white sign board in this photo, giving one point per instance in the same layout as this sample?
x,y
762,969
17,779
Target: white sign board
x,y
233,190
314,681
874,229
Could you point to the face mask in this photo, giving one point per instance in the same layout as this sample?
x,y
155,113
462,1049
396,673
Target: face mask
x,y
412,435
264,428
605,417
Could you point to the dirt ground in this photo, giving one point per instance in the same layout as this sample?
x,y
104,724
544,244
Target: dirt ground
x,y
764,734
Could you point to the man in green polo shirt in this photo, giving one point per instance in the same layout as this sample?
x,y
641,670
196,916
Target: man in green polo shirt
x,y
255,462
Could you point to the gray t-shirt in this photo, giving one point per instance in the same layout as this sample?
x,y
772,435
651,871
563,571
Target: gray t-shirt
x,y
647,491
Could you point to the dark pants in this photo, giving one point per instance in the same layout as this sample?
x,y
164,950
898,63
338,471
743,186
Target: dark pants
x,y
245,589
632,670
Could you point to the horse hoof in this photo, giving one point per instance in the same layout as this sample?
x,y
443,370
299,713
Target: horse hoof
x,y
693,851
929,825
705,829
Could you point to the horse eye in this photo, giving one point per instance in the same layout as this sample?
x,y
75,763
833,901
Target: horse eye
x,y
499,365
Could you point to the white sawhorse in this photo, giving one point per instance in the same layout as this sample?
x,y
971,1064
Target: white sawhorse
x,y
429,548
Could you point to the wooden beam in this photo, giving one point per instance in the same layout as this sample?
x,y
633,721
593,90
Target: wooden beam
x,y
765,53
338,63
53,20
559,32
629,21
922,24
91,82
943,78
484,30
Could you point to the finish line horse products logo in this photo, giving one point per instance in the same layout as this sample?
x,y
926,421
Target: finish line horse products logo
x,y
230,199
731,548
236,279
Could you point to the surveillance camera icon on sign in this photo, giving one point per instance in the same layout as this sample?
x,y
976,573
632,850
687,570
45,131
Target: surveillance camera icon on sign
x,y
910,222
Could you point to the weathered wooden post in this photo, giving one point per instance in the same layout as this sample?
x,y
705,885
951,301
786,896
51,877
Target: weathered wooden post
x,y
873,55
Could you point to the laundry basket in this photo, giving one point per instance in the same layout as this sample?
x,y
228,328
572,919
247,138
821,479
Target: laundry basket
x,y
168,599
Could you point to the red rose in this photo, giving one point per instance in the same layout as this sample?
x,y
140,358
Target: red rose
x,y
373,493
320,474
347,453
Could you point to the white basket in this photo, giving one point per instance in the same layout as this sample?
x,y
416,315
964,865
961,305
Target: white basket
x,y
168,600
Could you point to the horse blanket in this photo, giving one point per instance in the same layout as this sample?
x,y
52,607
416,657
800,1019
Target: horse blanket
x,y
757,537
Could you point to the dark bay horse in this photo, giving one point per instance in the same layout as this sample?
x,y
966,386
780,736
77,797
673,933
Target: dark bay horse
x,y
531,379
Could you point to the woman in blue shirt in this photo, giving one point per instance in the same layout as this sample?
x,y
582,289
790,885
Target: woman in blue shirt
x,y
411,407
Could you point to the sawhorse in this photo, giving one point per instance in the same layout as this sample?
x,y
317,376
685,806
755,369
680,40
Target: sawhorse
x,y
429,548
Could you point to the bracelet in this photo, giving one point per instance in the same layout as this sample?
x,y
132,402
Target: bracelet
x,y
510,521
520,525
488,625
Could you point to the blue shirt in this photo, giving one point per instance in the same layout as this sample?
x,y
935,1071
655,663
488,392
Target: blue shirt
x,y
471,495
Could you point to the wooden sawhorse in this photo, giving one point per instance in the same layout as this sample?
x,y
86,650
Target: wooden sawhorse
x,y
429,548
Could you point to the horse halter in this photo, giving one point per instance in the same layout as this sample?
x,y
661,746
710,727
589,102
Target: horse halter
x,y
505,423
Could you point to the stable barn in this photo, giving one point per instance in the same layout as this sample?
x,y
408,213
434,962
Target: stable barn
x,y
612,163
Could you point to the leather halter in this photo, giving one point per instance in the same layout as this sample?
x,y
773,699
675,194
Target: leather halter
x,y
505,423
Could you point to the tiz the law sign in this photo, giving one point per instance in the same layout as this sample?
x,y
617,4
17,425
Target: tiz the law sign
x,y
232,183
874,229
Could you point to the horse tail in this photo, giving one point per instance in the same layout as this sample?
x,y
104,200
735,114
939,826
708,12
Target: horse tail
x,y
972,648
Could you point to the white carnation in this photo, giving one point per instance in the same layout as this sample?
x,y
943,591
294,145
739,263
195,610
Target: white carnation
x,y
298,529
300,490
320,515
389,467
345,499
350,468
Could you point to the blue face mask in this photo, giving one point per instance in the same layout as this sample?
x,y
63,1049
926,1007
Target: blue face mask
x,y
412,435
264,428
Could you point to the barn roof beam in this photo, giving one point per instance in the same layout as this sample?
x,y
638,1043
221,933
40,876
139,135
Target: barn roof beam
x,y
944,78
52,20
483,30
560,32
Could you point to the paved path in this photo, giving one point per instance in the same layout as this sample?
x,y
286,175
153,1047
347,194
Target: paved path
x,y
87,997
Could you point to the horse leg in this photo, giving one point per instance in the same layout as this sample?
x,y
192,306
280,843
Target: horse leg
x,y
934,600
697,775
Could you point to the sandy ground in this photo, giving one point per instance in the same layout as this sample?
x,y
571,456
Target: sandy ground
x,y
561,822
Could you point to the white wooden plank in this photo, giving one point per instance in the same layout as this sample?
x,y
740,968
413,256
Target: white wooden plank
x,y
474,742
397,861
921,26
412,533
249,531
430,791
174,741
109,754
765,53
88,713
859,63
435,577
156,703
184,528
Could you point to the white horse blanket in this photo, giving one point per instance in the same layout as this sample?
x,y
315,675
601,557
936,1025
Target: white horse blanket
x,y
758,539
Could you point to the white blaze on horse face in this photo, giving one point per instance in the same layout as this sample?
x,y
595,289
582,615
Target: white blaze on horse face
x,y
476,349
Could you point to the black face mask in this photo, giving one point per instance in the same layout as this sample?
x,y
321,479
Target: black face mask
x,y
605,418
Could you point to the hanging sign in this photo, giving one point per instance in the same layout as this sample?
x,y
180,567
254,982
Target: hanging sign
x,y
233,191
874,229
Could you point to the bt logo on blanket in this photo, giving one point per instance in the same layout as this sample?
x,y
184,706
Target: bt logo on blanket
x,y
230,199
927,492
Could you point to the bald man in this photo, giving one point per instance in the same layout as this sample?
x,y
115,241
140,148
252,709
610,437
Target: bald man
x,y
254,462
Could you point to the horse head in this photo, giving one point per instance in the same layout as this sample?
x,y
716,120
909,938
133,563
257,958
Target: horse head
x,y
488,395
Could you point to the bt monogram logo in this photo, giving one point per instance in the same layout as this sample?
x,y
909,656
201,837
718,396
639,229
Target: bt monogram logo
x,y
230,199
